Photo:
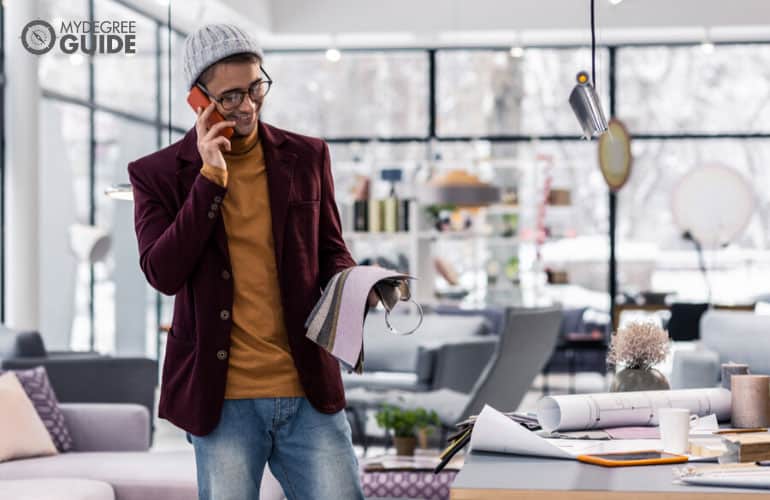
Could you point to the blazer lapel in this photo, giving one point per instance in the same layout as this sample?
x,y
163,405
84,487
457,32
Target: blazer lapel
x,y
279,164
189,164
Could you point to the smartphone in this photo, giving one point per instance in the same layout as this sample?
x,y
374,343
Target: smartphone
x,y
646,457
197,99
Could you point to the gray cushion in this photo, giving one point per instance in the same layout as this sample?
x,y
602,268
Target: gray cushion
x,y
55,489
108,427
30,345
16,343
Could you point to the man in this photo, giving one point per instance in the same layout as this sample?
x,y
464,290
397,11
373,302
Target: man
x,y
245,232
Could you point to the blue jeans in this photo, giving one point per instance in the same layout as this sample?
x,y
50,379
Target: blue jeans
x,y
309,452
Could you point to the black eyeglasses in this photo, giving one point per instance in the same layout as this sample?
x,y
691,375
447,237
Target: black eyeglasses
x,y
232,99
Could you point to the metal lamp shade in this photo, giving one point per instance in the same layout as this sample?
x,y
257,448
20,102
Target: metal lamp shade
x,y
587,107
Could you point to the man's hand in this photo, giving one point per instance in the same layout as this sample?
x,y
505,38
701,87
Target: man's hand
x,y
373,299
210,144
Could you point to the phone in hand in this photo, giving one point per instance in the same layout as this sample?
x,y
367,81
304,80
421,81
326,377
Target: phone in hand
x,y
197,99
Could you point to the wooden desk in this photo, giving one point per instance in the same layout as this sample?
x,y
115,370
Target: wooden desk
x,y
508,477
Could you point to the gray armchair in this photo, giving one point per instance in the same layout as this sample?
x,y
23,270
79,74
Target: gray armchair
x,y
525,344
427,359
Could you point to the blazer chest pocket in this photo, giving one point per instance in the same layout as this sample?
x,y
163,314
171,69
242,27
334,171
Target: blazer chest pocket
x,y
305,186
302,225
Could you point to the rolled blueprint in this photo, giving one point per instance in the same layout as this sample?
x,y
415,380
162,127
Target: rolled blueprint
x,y
577,412
750,395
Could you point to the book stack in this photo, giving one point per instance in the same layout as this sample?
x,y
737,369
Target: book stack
x,y
387,215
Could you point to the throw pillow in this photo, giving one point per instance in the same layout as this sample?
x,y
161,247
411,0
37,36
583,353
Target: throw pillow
x,y
38,387
22,433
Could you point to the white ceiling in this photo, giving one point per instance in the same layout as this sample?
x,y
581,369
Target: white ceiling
x,y
310,16
320,23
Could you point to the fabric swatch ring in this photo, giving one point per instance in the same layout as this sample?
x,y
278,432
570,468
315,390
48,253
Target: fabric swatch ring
x,y
409,332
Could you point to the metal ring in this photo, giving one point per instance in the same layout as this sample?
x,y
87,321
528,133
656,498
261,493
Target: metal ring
x,y
396,332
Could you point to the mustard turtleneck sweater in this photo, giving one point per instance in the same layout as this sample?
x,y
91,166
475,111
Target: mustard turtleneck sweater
x,y
260,363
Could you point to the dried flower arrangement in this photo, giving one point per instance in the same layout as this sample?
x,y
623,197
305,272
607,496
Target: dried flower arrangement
x,y
639,345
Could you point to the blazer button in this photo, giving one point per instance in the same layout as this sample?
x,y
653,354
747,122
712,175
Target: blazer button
x,y
218,199
221,355
214,206
212,215
225,275
224,314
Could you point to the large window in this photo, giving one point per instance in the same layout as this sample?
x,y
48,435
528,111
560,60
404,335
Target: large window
x,y
676,90
739,271
685,106
488,93
65,74
120,287
368,94
89,138
63,202
128,82
181,113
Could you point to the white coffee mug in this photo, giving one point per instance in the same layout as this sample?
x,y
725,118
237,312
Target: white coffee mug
x,y
675,429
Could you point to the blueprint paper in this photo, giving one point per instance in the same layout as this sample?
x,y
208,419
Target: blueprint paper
x,y
621,409
495,432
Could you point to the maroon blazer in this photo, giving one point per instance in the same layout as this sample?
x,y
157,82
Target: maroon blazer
x,y
183,252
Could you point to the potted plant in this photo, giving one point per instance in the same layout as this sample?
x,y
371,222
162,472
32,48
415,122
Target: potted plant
x,y
637,347
404,424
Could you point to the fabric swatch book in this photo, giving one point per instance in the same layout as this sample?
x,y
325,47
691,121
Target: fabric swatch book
x,y
336,323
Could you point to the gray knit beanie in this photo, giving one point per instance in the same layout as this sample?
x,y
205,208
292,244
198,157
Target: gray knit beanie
x,y
212,43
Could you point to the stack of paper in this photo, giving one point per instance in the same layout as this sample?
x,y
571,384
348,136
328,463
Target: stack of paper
x,y
495,432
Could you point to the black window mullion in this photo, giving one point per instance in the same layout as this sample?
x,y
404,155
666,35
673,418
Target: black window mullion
x,y
91,182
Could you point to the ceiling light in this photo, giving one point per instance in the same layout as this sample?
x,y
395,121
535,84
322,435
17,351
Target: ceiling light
x,y
707,47
615,2
517,51
333,55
